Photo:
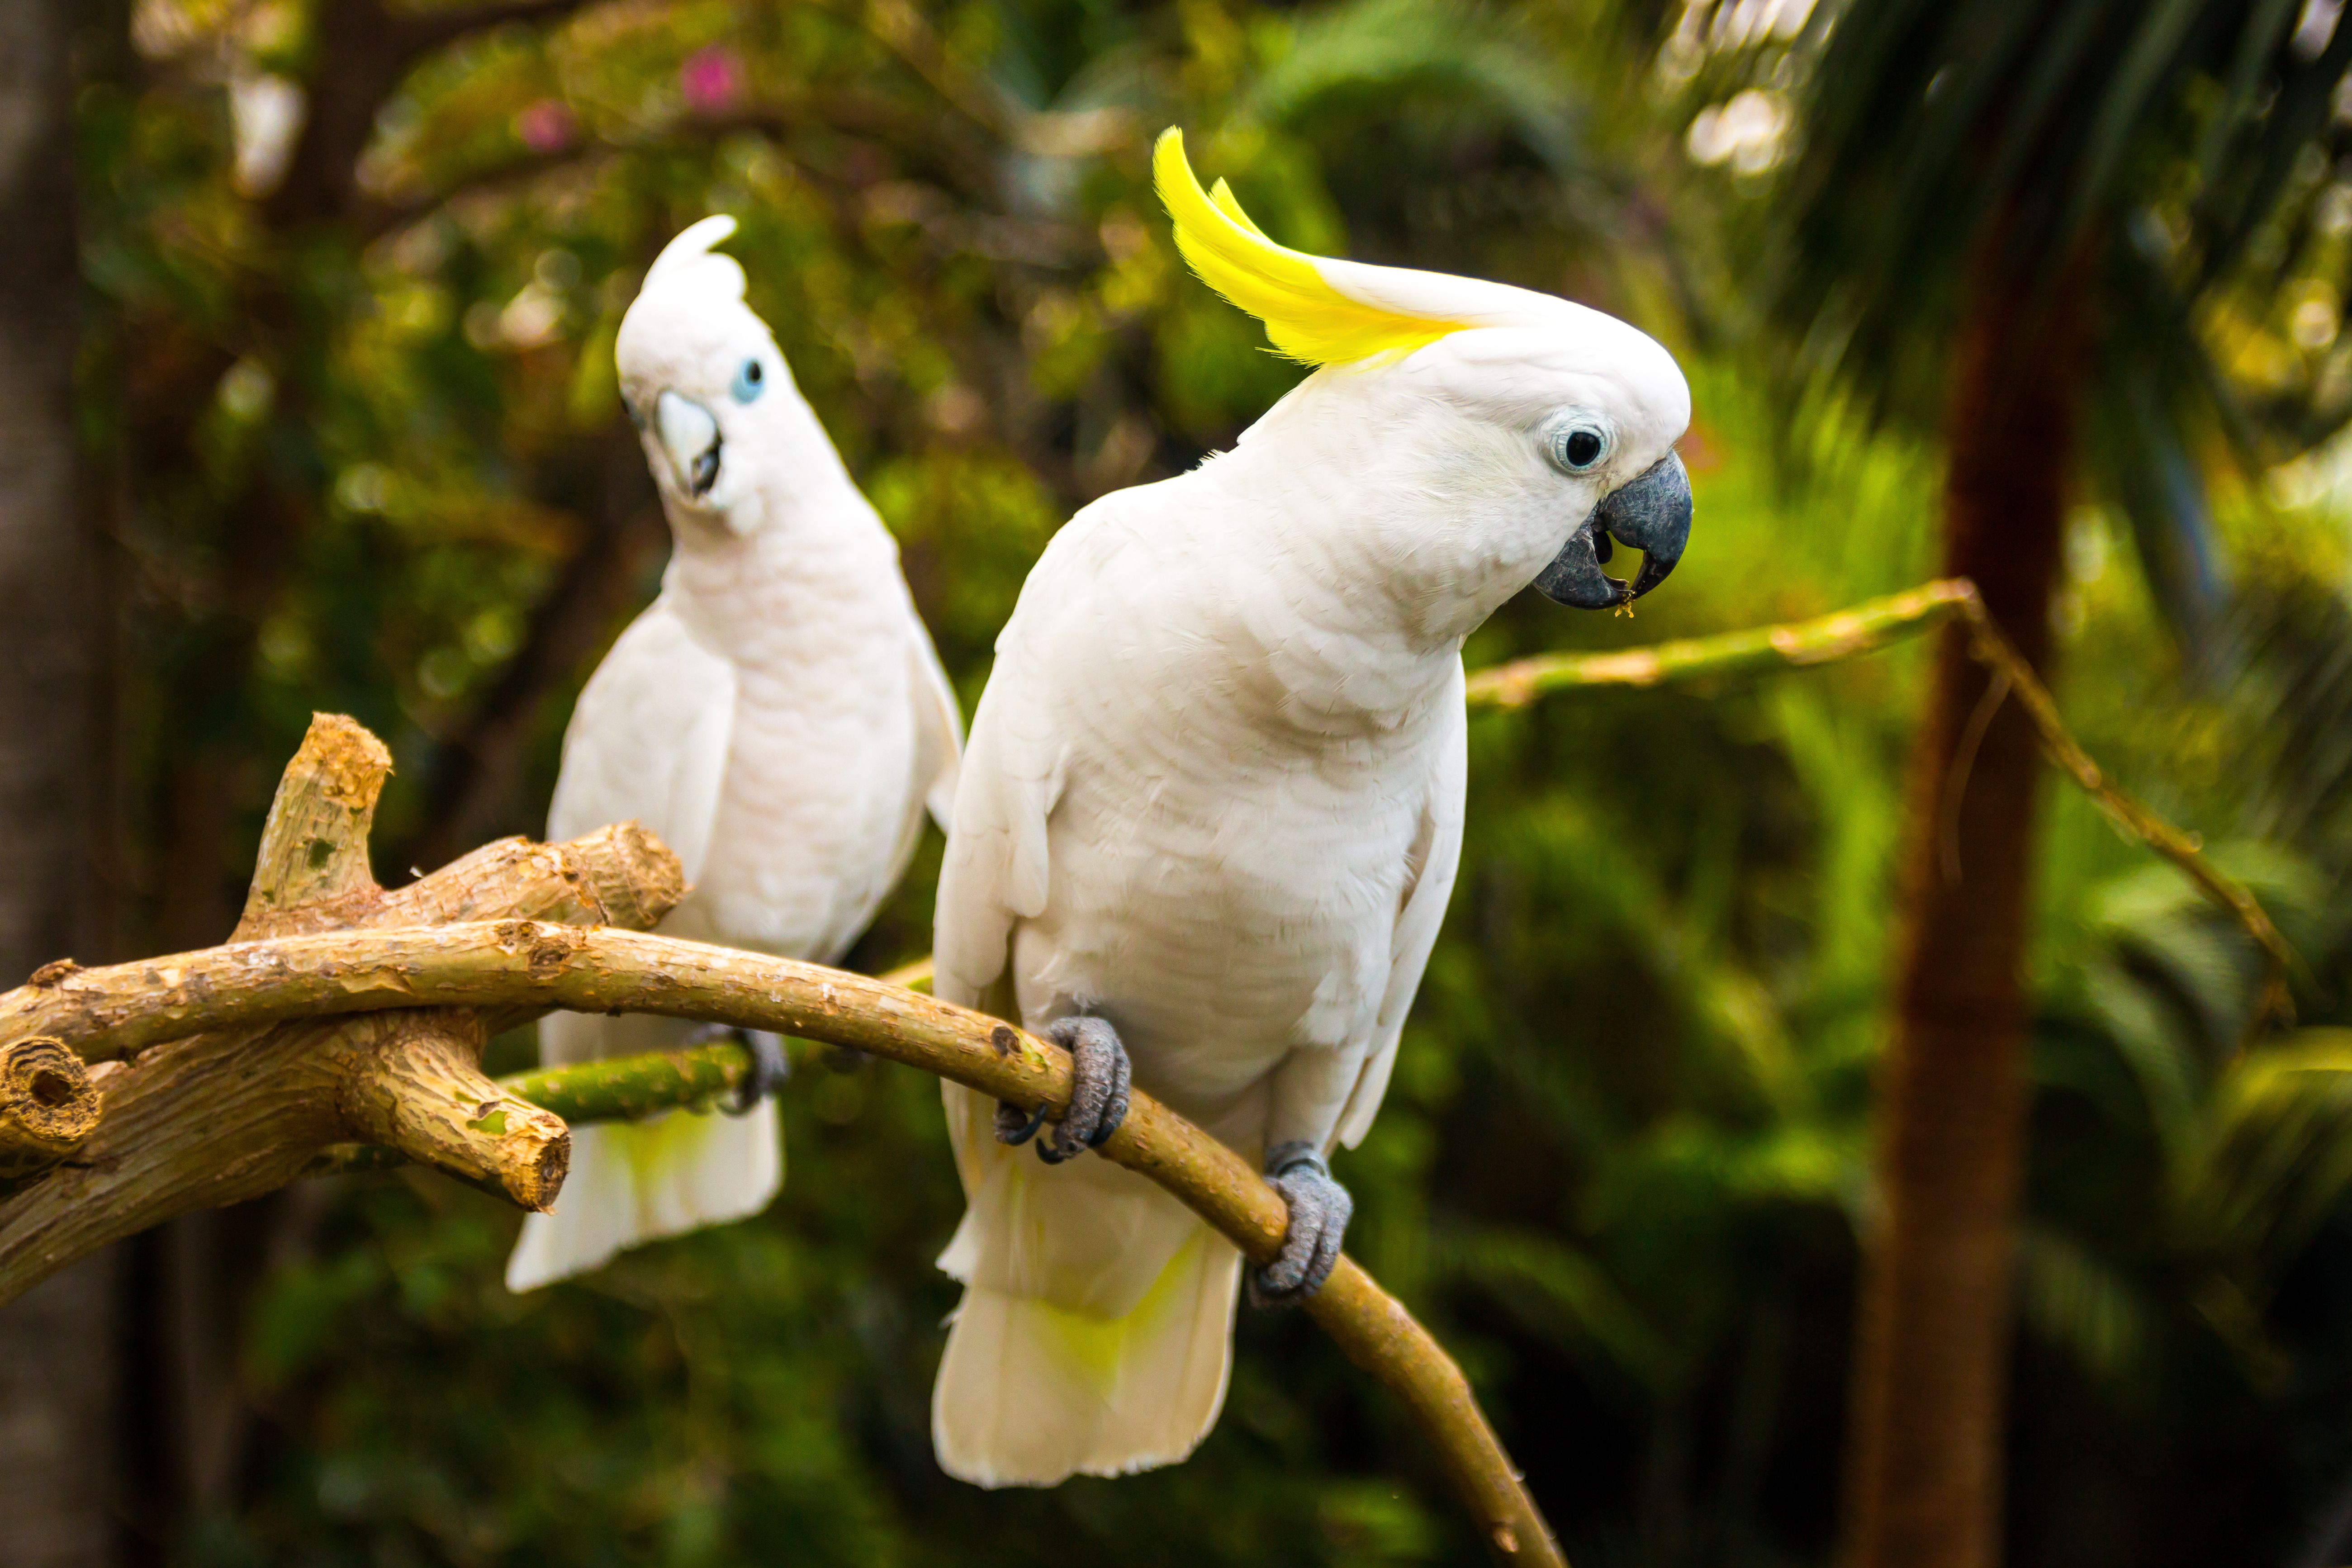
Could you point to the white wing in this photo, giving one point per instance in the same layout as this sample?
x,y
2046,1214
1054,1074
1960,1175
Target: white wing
x,y
1437,854
1095,1332
648,740
997,865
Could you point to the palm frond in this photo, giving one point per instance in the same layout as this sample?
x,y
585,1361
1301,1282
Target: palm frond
x,y
1445,51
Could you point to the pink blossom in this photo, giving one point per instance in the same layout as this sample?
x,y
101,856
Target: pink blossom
x,y
547,126
712,79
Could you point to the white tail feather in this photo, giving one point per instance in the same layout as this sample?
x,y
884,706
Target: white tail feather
x,y
632,1182
1031,1394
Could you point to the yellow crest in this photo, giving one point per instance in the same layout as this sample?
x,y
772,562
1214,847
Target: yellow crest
x,y
1305,317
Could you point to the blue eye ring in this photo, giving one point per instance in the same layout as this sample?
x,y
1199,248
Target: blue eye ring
x,y
750,379
1577,447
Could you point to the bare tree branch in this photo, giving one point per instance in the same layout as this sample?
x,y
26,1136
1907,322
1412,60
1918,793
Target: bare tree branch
x,y
221,1116
520,964
247,1073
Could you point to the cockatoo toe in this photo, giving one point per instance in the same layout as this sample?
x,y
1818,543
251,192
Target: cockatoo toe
x,y
770,1069
1320,1210
1099,1080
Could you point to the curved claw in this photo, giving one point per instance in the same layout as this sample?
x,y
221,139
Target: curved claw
x,y
1100,1077
1320,1210
1652,512
1099,1080
1015,1126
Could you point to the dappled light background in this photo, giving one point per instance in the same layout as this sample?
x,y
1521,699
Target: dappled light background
x,y
362,452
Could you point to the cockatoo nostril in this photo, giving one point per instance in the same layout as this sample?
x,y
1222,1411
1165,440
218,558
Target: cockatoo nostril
x,y
690,438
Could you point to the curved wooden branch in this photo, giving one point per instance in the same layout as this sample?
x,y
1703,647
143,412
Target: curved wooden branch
x,y
531,963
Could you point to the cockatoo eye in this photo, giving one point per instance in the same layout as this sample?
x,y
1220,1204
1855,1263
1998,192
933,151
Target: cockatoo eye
x,y
1577,447
750,379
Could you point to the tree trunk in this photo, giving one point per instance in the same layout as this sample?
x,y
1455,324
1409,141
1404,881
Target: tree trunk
x,y
57,1349
1924,1456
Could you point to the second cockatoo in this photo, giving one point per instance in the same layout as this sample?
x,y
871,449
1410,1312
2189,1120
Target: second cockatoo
x,y
1212,804
778,717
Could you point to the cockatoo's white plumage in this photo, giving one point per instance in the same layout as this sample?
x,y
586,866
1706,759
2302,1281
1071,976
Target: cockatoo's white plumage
x,y
1214,792
777,717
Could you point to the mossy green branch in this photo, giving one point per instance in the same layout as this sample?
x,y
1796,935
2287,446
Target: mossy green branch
x,y
1792,646
1874,625
629,1088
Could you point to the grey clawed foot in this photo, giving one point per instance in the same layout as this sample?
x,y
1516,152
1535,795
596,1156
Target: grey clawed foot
x,y
770,1069
1100,1077
1320,1210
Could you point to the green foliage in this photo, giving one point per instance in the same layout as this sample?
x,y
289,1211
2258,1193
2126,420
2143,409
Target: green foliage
x,y
370,458
2177,159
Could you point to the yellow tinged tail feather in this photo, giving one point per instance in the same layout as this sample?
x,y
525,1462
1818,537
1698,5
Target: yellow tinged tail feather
x,y
632,1182
1031,1394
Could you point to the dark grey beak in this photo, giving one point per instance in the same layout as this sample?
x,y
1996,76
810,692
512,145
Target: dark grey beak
x,y
1652,512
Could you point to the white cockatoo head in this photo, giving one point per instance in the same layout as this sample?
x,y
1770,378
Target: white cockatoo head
x,y
1531,430
729,439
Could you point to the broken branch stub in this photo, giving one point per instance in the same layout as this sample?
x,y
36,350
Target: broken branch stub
x,y
314,846
414,1083
519,963
202,1115
49,1107
421,1091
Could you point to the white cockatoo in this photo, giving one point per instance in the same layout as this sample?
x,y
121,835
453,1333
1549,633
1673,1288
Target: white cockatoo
x,y
1212,808
778,717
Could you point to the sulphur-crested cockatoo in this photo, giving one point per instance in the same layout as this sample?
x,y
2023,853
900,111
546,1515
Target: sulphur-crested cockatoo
x,y
1212,804
777,716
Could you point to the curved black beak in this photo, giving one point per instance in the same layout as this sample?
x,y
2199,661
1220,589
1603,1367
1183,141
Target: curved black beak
x,y
1652,512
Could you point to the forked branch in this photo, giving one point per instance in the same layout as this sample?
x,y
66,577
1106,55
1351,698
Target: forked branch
x,y
352,1017
248,1067
530,965
215,1115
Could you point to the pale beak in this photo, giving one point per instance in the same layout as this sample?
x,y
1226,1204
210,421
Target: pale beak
x,y
689,436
